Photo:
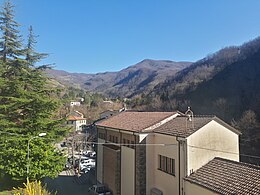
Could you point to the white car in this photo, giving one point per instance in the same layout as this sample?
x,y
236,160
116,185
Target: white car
x,y
87,153
87,168
85,164
84,158
93,154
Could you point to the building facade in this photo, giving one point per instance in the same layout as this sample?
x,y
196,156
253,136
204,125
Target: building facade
x,y
152,152
76,120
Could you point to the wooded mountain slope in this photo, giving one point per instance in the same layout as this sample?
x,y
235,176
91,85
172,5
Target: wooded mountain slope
x,y
227,80
128,82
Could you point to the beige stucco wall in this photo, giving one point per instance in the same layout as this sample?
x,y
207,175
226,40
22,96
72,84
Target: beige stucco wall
x,y
99,162
194,189
127,170
212,140
167,183
111,169
78,124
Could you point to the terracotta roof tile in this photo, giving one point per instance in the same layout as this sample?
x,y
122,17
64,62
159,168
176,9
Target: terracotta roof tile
x,y
74,118
135,121
228,177
181,126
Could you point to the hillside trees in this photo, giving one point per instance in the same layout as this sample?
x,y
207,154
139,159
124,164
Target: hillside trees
x,y
250,138
27,107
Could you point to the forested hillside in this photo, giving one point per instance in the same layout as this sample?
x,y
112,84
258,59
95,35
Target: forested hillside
x,y
226,84
129,82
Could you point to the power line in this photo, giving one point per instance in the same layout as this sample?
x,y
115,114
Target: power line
x,y
224,151
145,144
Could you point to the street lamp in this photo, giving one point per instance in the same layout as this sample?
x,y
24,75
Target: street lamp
x,y
28,150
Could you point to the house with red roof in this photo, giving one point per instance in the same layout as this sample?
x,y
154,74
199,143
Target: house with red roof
x,y
153,152
76,120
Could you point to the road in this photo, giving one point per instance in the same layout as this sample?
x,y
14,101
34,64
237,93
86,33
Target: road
x,y
67,183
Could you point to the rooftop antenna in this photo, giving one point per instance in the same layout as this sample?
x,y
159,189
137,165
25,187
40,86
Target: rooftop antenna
x,y
190,118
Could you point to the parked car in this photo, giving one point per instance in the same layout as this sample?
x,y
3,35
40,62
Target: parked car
x,y
87,153
89,162
93,155
83,158
99,190
87,168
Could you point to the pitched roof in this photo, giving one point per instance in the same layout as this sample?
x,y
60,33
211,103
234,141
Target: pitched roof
x,y
74,118
228,177
182,127
135,121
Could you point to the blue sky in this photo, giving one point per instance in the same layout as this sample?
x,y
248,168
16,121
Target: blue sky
x,y
92,36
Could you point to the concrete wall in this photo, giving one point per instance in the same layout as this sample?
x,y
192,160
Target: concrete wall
x,y
194,189
165,182
111,169
127,171
212,140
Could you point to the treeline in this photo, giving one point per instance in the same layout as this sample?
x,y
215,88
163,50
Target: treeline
x,y
205,69
87,98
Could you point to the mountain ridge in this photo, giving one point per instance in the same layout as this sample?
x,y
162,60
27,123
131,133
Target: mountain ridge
x,y
128,82
198,86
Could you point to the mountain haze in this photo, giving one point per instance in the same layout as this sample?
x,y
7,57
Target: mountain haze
x,y
131,81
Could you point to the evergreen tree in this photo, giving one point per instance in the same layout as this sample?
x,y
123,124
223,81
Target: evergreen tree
x,y
28,107
10,42
32,56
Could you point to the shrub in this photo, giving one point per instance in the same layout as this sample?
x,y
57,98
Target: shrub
x,y
32,188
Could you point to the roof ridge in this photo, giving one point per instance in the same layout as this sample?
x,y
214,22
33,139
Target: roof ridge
x,y
238,162
160,123
200,115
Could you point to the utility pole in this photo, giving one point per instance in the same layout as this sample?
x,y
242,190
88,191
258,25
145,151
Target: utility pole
x,y
72,146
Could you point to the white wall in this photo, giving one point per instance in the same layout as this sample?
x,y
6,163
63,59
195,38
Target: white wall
x,y
99,162
78,124
127,171
167,183
212,140
194,189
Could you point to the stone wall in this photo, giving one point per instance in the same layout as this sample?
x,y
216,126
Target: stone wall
x,y
140,170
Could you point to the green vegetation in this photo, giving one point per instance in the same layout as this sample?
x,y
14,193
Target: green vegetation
x,y
31,188
92,104
28,107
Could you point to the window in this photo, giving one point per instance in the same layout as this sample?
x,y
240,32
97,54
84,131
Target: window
x,y
132,144
102,135
167,164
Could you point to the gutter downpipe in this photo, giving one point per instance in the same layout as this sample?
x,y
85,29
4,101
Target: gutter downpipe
x,y
179,156
181,141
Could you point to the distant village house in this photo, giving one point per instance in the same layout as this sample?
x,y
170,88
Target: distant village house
x,y
77,120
